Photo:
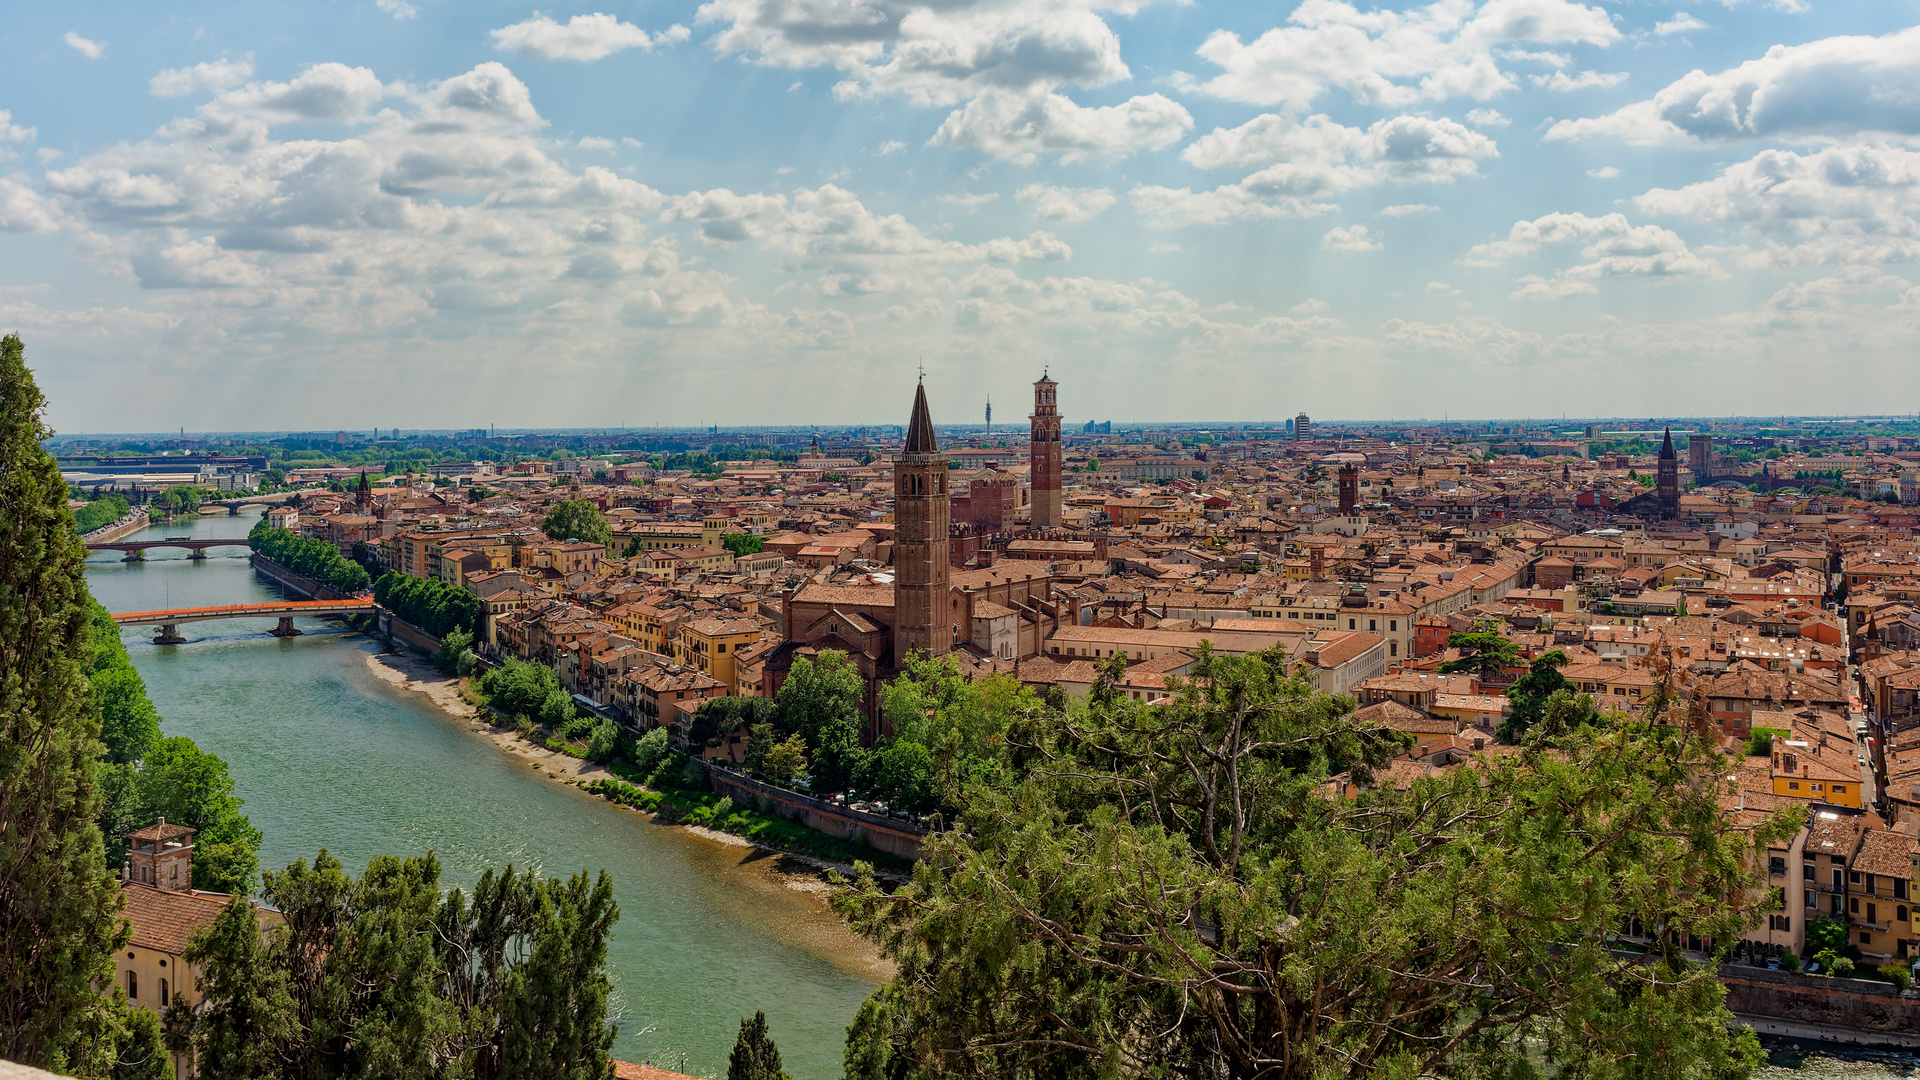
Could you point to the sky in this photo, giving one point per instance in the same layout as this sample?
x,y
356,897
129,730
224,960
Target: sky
x,y
430,213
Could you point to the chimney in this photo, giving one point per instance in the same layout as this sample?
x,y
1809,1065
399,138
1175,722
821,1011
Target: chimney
x,y
786,612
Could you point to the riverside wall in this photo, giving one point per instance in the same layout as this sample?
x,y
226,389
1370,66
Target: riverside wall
x,y
305,586
135,521
1863,1012
892,836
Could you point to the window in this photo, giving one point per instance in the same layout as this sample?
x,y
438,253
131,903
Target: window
x,y
1871,884
1838,885
133,986
163,993
1866,938
1873,914
1393,648
1854,877
1806,871
1776,865
1899,888
1809,904
1853,905
1393,624
1900,913
1350,624
1373,624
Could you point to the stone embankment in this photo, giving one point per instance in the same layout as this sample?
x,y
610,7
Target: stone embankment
x,y
891,835
1857,1012
134,521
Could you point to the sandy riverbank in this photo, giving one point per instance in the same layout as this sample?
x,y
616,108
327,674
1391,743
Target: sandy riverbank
x,y
407,671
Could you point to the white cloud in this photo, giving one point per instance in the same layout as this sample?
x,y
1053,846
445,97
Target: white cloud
x,y
1560,82
1313,159
1311,307
1604,172
1442,288
594,142
86,47
1021,127
1065,204
48,155
1838,204
399,9
1391,58
628,140
971,202
25,210
1487,118
1614,248
1406,210
11,132
891,146
1164,249
935,52
1681,23
200,78
1349,238
583,37
1833,87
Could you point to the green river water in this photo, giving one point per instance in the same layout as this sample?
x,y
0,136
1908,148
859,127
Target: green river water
x,y
328,756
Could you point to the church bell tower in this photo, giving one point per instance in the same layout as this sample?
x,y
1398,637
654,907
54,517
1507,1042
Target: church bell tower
x,y
920,515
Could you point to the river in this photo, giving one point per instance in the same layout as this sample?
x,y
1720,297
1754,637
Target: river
x,y
328,756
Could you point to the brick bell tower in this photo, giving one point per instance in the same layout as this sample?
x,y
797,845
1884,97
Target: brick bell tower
x,y
920,516
1667,479
1044,456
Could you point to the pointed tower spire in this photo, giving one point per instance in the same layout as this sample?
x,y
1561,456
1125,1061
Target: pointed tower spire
x,y
920,428
1666,447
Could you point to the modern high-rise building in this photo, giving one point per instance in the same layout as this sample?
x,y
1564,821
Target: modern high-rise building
x,y
920,515
1044,456
1302,428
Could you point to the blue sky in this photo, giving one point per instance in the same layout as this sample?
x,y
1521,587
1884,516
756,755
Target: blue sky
x,y
427,213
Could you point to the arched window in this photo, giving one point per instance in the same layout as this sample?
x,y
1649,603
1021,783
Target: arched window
x,y
133,986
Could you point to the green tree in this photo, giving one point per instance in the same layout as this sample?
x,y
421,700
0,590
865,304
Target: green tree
x,y
602,741
1167,891
786,761
518,687
761,739
754,1056
1483,651
188,786
577,519
383,977
59,906
1826,932
456,651
742,544
1530,694
725,715
821,701
649,750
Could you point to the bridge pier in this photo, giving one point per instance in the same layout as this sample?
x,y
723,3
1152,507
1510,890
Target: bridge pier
x,y
135,556
197,554
169,635
233,511
286,628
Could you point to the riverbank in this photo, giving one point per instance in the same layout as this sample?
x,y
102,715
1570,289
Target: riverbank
x,y
406,671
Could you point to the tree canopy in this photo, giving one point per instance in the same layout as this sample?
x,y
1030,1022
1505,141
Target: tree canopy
x,y
384,977
577,519
59,906
822,701
1180,891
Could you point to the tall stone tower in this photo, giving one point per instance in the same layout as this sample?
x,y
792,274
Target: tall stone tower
x,y
1044,455
1667,482
1700,457
920,515
1349,489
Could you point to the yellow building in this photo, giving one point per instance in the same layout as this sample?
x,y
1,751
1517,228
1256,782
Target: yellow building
x,y
164,911
710,645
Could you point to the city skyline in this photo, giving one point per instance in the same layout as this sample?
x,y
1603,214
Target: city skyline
x,y
675,214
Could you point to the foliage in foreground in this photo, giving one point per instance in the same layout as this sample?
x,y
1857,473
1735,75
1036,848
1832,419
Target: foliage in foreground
x,y
1175,892
383,976
59,907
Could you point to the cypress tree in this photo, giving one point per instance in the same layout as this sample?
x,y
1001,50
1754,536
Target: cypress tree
x,y
59,906
754,1056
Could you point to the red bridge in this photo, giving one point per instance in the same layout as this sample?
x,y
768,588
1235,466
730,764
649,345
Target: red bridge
x,y
285,611
137,549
